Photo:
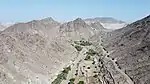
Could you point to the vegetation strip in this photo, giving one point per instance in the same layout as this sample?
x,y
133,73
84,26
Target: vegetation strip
x,y
62,76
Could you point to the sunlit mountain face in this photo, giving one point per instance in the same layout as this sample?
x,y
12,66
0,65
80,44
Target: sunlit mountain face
x,y
82,51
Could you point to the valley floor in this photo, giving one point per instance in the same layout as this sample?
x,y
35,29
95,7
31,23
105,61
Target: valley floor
x,y
98,69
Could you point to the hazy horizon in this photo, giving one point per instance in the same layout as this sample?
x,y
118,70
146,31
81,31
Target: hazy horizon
x,y
26,10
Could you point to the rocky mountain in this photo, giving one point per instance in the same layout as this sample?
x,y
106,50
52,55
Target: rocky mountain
x,y
25,53
76,52
76,29
36,51
2,27
8,24
130,48
97,26
107,22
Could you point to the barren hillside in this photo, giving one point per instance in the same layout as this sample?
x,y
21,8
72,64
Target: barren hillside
x,y
76,52
130,47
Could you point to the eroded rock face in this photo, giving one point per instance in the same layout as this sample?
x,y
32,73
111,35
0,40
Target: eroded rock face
x,y
130,47
97,26
34,52
76,29
37,52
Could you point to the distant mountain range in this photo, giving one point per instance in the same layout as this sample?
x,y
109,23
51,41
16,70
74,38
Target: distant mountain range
x,y
82,51
104,20
107,22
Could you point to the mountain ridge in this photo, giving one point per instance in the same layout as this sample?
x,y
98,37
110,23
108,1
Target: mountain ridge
x,y
48,52
131,47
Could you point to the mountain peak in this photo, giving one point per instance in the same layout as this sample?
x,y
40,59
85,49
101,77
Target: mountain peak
x,y
78,20
48,19
2,27
146,18
97,25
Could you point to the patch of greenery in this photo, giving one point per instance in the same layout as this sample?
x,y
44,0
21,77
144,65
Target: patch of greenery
x,y
83,43
93,62
57,81
66,70
81,82
78,48
62,76
91,52
71,81
77,42
94,72
88,67
95,76
72,44
87,57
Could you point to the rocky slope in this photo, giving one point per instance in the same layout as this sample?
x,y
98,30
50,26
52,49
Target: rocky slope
x,y
130,48
2,27
76,52
35,52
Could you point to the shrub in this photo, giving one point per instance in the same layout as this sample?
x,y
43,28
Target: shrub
x,y
88,67
72,44
71,83
94,72
95,76
91,52
93,62
85,43
87,57
78,48
76,74
77,42
72,79
81,82
62,76
66,70
57,81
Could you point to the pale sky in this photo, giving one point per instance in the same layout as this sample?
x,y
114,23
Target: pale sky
x,y
25,10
